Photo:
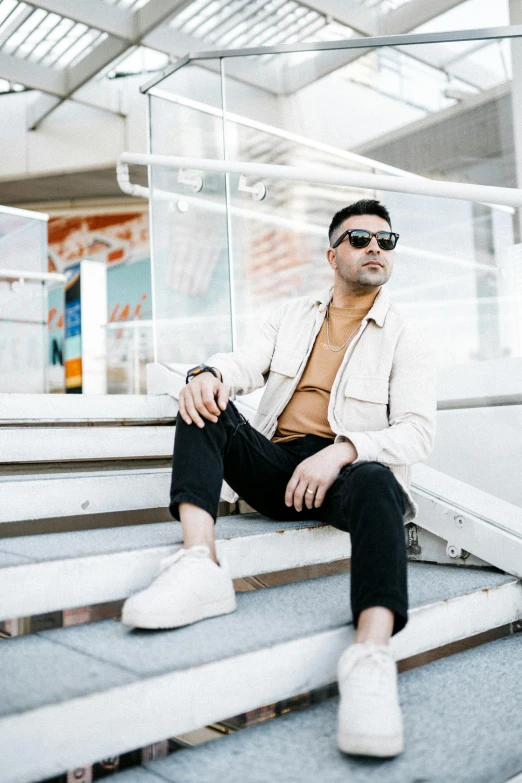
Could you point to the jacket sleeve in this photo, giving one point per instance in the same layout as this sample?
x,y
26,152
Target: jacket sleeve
x,y
412,407
246,369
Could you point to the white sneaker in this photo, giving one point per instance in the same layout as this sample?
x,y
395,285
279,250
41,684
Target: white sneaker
x,y
370,719
189,587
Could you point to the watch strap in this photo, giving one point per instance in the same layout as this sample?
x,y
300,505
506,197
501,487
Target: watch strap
x,y
198,370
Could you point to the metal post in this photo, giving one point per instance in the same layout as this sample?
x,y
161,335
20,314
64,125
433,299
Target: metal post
x,y
515,17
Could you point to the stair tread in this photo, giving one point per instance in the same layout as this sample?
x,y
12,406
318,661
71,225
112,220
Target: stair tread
x,y
105,654
67,475
48,443
462,723
85,408
84,543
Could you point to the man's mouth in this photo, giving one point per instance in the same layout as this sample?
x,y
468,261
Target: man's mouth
x,y
373,263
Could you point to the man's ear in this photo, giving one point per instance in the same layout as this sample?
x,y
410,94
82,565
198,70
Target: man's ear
x,y
331,257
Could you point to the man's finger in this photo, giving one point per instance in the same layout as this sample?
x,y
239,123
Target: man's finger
x,y
309,496
290,488
319,496
183,410
209,402
222,396
192,412
299,494
200,405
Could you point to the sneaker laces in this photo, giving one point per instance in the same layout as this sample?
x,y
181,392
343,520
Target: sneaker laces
x,y
367,665
188,556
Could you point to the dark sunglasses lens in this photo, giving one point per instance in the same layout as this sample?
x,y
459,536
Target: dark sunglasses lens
x,y
360,238
386,240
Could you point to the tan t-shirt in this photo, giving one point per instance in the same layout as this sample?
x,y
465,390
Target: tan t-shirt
x,y
307,411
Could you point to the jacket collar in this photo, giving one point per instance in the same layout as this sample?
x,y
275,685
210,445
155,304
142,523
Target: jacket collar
x,y
377,311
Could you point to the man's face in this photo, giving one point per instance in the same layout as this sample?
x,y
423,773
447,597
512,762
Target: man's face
x,y
354,265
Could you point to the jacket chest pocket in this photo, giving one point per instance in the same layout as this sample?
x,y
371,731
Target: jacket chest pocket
x,y
365,402
285,363
283,370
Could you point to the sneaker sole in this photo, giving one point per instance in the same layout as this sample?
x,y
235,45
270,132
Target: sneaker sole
x,y
380,746
164,620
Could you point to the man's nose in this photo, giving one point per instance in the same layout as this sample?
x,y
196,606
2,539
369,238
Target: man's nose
x,y
373,247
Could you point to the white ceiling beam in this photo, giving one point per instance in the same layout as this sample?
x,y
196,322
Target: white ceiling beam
x,y
42,104
36,77
74,78
94,13
39,108
95,61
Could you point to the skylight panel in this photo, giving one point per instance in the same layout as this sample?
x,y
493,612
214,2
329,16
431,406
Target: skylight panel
x,y
80,48
22,33
71,32
10,9
38,36
41,48
249,23
128,5
187,13
58,42
223,19
384,6
206,12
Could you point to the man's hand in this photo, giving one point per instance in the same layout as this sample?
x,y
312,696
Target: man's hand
x,y
317,474
205,395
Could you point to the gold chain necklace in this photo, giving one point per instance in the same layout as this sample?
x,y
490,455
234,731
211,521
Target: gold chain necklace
x,y
336,350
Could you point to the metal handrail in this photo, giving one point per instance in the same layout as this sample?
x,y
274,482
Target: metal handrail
x,y
511,197
22,275
363,43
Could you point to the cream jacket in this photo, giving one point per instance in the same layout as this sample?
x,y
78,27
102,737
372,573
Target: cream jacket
x,y
383,398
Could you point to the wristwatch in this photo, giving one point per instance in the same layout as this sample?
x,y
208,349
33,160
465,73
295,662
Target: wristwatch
x,y
198,370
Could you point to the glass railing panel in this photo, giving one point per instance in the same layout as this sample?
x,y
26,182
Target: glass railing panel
x,y
23,241
396,112
191,273
31,337
129,350
24,289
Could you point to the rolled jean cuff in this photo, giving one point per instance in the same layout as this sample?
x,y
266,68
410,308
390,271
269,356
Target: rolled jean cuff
x,y
399,611
196,500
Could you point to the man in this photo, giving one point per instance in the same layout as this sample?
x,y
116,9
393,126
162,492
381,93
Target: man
x,y
349,405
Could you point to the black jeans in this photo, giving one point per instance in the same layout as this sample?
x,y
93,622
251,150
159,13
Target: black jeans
x,y
366,499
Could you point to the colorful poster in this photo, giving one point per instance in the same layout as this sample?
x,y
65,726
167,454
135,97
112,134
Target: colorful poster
x,y
73,331
121,239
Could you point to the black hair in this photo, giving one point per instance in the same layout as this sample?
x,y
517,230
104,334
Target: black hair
x,y
365,206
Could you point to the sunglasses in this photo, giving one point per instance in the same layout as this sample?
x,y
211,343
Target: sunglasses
x,y
359,237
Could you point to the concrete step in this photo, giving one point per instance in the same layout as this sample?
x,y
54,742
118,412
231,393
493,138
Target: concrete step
x,y
94,566
27,497
462,724
60,409
82,443
83,693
